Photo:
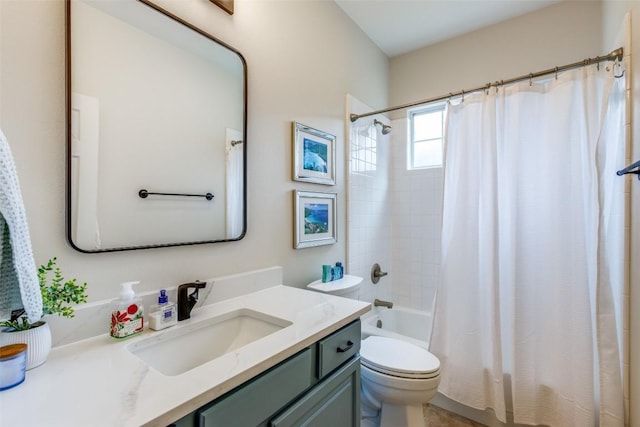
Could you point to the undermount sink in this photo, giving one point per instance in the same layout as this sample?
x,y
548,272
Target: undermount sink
x,y
179,350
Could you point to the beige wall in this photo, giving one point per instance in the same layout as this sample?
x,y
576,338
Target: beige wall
x,y
560,34
303,57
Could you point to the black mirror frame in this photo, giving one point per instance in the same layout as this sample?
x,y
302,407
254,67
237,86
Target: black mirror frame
x,y
69,137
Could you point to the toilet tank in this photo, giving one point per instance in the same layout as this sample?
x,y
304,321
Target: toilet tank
x,y
347,287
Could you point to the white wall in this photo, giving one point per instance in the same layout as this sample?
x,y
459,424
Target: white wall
x,y
303,57
417,215
369,216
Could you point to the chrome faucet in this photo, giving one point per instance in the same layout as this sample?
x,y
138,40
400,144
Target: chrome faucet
x,y
380,303
187,300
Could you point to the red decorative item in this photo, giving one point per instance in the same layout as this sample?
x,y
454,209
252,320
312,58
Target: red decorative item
x,y
127,316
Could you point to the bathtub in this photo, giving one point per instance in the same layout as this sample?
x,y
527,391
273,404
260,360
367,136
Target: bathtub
x,y
403,323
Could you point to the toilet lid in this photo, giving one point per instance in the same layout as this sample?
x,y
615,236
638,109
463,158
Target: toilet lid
x,y
398,358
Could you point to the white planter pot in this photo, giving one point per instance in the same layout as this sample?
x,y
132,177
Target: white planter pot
x,y
38,341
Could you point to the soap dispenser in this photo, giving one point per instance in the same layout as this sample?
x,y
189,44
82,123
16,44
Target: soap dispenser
x,y
339,274
127,314
163,314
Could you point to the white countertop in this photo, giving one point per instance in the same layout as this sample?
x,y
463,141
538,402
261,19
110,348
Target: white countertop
x,y
98,382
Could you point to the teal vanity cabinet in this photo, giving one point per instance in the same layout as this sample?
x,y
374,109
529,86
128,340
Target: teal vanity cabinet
x,y
318,386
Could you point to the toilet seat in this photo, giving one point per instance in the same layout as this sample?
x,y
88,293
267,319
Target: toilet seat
x,y
398,358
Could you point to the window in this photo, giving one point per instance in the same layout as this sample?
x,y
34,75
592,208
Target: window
x,y
426,135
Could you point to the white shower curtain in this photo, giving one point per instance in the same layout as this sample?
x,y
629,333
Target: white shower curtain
x,y
532,213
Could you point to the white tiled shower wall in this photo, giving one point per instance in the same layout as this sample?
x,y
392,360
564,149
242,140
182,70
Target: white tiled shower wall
x,y
394,215
369,224
416,198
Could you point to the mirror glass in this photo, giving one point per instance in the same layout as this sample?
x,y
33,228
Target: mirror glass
x,y
156,117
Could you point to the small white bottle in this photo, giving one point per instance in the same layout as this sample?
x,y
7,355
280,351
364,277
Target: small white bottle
x,y
163,314
127,316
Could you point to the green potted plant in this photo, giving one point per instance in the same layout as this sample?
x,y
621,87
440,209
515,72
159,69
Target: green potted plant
x,y
57,297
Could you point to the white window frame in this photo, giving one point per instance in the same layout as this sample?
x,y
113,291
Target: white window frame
x,y
431,108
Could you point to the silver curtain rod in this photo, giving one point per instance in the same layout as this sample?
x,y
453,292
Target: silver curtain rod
x,y
615,55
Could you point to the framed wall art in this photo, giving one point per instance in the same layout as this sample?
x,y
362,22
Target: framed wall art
x,y
314,155
315,217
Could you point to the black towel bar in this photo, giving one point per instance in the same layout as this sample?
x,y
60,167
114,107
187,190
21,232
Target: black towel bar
x,y
630,169
144,194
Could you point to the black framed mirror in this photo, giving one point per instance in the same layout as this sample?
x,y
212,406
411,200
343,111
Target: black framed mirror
x,y
156,130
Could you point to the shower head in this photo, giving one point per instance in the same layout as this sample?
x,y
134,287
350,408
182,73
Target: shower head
x,y
386,129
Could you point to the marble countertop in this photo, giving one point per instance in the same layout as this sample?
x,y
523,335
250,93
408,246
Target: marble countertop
x,y
98,382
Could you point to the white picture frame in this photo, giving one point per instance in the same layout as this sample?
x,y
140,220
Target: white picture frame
x,y
314,155
315,219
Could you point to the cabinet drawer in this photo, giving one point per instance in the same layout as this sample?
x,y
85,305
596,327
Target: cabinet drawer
x,y
338,347
259,399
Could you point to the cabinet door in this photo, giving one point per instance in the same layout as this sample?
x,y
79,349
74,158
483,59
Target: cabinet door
x,y
255,402
186,421
334,402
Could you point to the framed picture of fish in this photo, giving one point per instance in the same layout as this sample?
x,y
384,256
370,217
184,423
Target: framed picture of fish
x,y
314,219
314,155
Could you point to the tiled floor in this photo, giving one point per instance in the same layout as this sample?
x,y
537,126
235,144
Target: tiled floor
x,y
437,417
434,417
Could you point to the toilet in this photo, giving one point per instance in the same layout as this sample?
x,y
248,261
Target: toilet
x,y
398,377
